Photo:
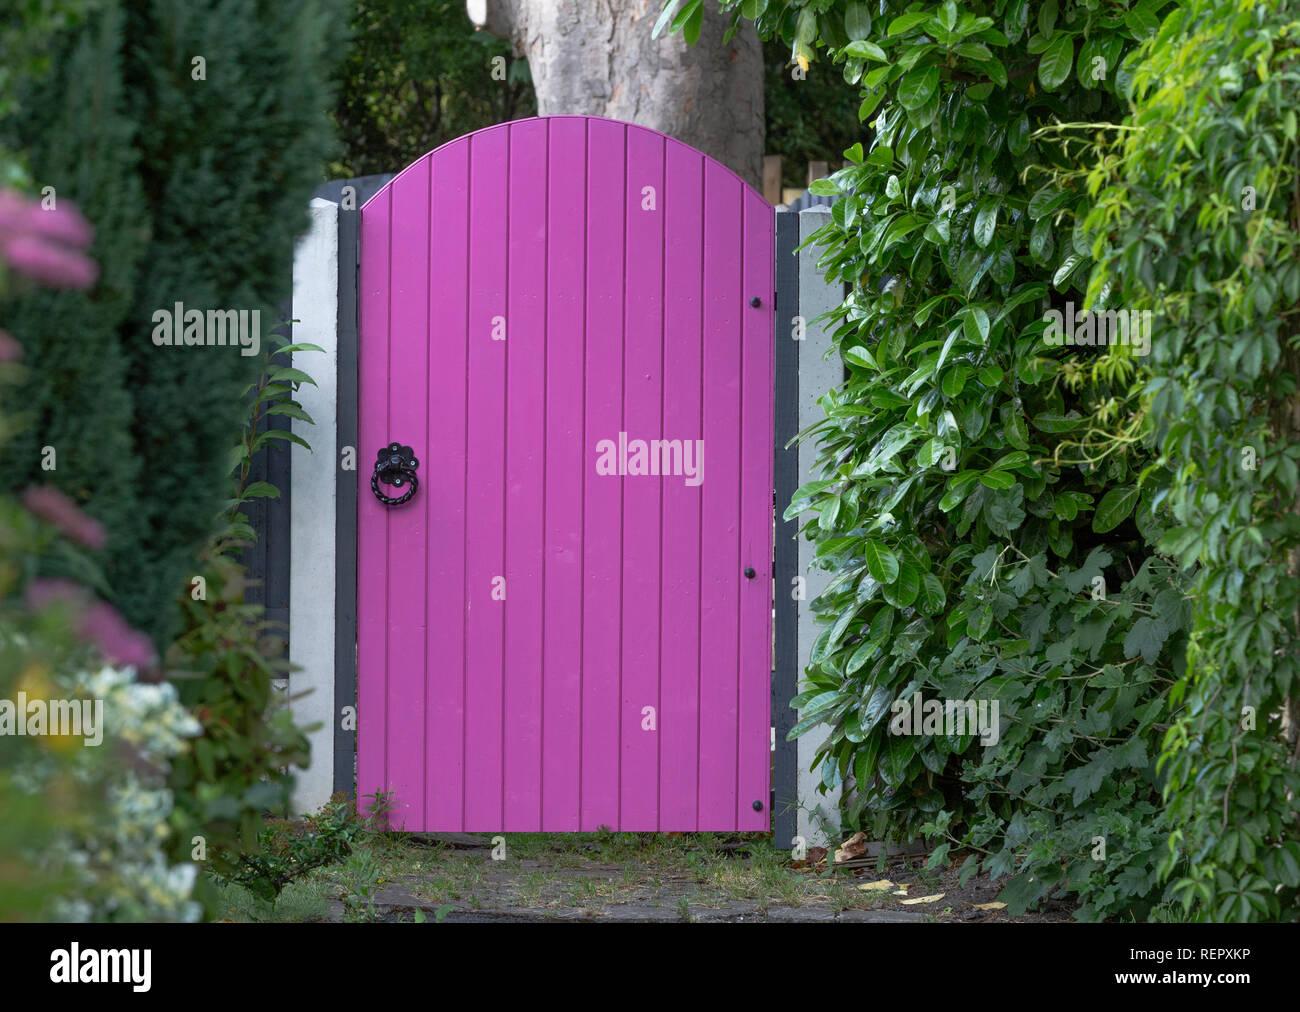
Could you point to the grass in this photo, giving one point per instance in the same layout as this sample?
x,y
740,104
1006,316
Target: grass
x,y
689,873
298,901
591,870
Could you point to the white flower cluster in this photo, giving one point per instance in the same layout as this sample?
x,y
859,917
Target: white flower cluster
x,y
119,866
149,717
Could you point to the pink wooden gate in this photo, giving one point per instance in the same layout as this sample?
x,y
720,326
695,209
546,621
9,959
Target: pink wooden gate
x,y
550,639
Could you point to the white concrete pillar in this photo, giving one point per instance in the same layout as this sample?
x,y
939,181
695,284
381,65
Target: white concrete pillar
x,y
312,506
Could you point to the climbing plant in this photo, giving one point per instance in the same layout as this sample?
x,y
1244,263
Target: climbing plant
x,y
1195,210
1027,489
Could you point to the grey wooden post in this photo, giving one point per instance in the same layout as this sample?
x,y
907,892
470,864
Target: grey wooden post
x,y
785,673
818,821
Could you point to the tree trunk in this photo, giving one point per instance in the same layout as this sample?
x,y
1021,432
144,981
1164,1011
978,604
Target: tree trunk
x,y
596,57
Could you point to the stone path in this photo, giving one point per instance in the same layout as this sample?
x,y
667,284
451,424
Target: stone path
x,y
399,904
645,878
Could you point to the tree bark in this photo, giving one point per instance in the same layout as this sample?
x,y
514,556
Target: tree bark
x,y
596,57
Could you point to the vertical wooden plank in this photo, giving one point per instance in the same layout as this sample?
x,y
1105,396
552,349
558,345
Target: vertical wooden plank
x,y
485,478
603,502
567,458
372,520
679,712
525,480
785,679
408,397
720,537
444,488
642,493
755,618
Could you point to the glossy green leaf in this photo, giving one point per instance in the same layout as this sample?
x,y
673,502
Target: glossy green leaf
x,y
917,87
881,562
1055,63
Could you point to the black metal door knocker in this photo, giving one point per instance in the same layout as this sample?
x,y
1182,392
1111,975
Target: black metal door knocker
x,y
395,466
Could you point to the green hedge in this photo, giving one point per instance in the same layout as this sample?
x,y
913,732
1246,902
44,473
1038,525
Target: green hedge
x,y
197,189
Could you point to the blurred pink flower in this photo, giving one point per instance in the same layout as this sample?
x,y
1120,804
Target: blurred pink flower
x,y
46,245
54,265
117,641
10,350
97,623
43,593
57,509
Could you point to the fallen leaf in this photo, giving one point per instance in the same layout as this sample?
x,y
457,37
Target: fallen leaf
x,y
901,892
880,886
854,846
925,899
989,906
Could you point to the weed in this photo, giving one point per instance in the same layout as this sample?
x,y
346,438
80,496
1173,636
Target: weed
x,y
361,880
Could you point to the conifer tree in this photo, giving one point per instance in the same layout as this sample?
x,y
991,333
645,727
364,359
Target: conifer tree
x,y
192,133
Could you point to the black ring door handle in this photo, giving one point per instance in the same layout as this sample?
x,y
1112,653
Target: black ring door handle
x,y
395,465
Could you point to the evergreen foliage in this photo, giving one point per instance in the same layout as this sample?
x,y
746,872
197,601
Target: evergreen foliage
x,y
1066,529
192,133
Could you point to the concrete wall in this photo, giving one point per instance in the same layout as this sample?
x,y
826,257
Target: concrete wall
x,y
313,514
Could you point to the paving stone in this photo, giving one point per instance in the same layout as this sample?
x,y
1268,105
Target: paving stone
x,y
483,917
620,913
397,898
785,915
880,916
728,913
540,915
